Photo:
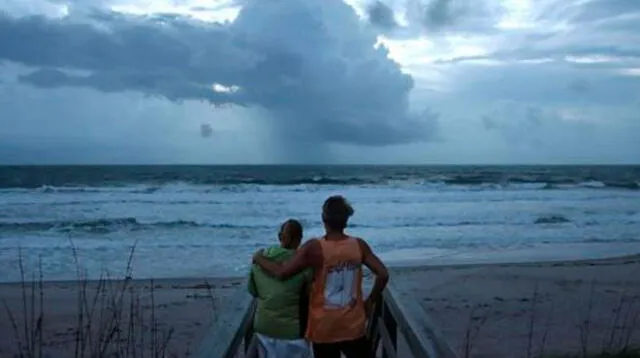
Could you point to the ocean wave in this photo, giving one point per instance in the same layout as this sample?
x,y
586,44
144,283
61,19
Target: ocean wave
x,y
552,219
609,241
151,188
302,185
103,226
150,180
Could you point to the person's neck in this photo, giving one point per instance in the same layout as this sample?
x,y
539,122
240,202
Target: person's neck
x,y
334,234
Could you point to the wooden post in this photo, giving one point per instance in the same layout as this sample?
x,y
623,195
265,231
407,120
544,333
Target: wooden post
x,y
252,351
227,329
391,325
373,329
248,335
423,338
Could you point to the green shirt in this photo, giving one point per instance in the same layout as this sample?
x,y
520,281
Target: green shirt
x,y
278,310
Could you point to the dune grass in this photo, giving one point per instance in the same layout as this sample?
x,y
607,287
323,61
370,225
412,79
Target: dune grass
x,y
618,342
113,318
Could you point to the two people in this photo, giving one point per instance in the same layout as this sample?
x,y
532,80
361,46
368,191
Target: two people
x,y
337,308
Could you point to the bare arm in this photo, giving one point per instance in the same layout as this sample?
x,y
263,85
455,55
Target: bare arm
x,y
306,257
377,267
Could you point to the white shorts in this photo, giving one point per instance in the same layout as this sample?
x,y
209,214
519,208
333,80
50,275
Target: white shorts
x,y
283,348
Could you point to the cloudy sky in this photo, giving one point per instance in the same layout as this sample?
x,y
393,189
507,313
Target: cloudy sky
x,y
310,81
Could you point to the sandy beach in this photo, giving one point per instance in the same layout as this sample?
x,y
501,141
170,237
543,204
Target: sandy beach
x,y
484,310
563,303
182,310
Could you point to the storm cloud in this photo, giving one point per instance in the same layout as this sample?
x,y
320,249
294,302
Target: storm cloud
x,y
382,15
434,17
325,81
336,81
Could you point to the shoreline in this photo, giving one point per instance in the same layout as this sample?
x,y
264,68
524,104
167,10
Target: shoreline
x,y
411,264
614,260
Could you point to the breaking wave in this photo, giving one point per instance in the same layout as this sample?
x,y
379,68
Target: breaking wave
x,y
450,184
103,226
150,179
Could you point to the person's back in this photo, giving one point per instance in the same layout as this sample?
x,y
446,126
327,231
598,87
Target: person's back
x,y
336,306
278,322
278,302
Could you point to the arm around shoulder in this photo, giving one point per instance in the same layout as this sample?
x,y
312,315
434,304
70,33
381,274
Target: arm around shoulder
x,y
304,258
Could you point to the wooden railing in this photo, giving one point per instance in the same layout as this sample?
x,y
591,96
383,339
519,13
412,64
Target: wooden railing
x,y
231,331
396,320
399,315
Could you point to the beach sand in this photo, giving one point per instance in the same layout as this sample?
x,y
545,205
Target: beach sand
x,y
574,302
186,307
490,303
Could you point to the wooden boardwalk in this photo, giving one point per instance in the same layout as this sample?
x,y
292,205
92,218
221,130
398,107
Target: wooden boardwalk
x,y
399,327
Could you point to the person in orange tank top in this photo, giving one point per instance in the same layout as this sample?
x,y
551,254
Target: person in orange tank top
x,y
337,309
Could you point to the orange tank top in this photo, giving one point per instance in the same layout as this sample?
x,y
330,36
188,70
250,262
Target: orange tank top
x,y
336,306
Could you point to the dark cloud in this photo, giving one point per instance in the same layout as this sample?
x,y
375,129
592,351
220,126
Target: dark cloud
x,y
579,86
439,14
206,130
436,16
488,122
310,64
382,16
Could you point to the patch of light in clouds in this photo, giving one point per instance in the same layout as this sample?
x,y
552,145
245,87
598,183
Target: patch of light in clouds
x,y
35,7
209,11
358,6
536,61
224,89
592,59
518,15
424,51
411,51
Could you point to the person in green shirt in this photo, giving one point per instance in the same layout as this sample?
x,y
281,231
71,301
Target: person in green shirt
x,y
280,317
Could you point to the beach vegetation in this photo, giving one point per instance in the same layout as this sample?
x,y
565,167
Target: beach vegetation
x,y
617,341
113,318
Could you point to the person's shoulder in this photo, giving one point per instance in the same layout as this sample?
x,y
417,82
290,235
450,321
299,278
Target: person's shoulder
x,y
274,251
358,239
312,250
362,243
311,242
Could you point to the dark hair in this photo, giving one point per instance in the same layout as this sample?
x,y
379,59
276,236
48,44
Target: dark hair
x,y
336,212
295,228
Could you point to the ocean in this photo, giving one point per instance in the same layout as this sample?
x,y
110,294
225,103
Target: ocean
x,y
202,221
